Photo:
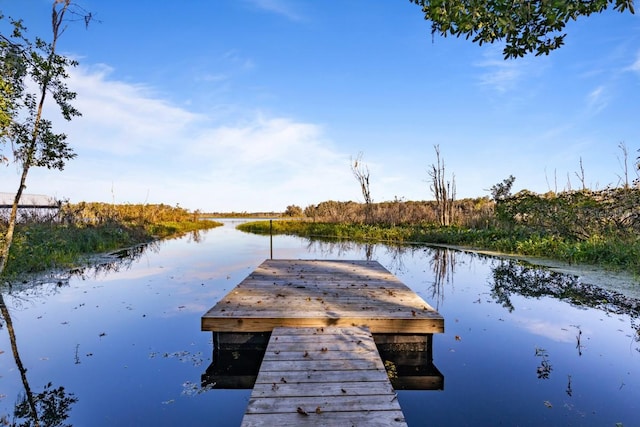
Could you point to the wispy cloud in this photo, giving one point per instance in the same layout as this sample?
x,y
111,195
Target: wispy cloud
x,y
597,100
507,75
280,7
499,74
235,58
135,147
635,67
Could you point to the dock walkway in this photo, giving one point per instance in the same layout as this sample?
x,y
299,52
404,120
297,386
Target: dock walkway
x,y
322,377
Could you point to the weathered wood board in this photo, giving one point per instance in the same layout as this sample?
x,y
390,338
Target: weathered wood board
x,y
320,293
323,376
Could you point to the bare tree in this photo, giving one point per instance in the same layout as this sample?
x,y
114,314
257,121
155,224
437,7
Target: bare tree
x,y
581,176
361,173
624,164
444,191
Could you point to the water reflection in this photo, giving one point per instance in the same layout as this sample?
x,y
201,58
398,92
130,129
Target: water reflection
x,y
52,405
408,359
512,277
47,408
149,368
441,260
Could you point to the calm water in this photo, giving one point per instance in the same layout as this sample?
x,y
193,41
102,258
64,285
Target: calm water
x,y
121,345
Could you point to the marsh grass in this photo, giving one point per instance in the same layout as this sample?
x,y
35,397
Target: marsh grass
x,y
40,247
621,253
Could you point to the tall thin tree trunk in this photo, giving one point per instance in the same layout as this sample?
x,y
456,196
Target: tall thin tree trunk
x,y
57,19
8,238
16,355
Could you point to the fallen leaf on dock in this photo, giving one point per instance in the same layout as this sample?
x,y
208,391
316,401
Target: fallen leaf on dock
x,y
301,411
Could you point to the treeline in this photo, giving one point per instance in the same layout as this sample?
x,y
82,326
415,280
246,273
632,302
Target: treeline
x,y
478,212
575,214
600,227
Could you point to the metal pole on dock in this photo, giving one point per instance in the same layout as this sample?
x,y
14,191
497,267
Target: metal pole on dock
x,y
271,238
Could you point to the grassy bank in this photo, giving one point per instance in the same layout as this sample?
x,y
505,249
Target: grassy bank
x,y
39,247
611,252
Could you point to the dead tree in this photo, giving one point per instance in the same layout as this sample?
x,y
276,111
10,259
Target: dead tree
x,y
361,173
444,191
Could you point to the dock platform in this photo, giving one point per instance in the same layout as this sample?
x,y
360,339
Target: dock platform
x,y
321,331
322,377
314,293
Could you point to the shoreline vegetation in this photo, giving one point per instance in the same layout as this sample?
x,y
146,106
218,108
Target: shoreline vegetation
x,y
598,228
67,238
586,227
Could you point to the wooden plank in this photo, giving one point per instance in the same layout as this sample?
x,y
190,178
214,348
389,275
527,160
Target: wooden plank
x,y
326,404
381,419
324,293
322,376
325,389
384,325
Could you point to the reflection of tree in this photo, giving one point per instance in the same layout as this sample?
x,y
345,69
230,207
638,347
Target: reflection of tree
x,y
51,406
48,408
511,277
195,236
443,262
327,246
544,369
115,261
48,283
396,258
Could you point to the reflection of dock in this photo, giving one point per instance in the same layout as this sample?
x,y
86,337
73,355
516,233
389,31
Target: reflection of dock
x,y
325,317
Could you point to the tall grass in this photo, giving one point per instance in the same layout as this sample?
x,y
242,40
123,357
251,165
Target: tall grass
x,y
613,252
87,229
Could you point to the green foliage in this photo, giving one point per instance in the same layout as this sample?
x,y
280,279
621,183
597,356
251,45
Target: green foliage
x,y
526,26
90,228
27,64
587,227
30,71
576,215
502,190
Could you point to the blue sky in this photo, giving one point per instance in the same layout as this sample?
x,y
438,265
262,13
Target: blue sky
x,y
253,105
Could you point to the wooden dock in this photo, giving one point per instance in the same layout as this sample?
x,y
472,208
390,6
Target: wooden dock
x,y
312,293
326,322
322,377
